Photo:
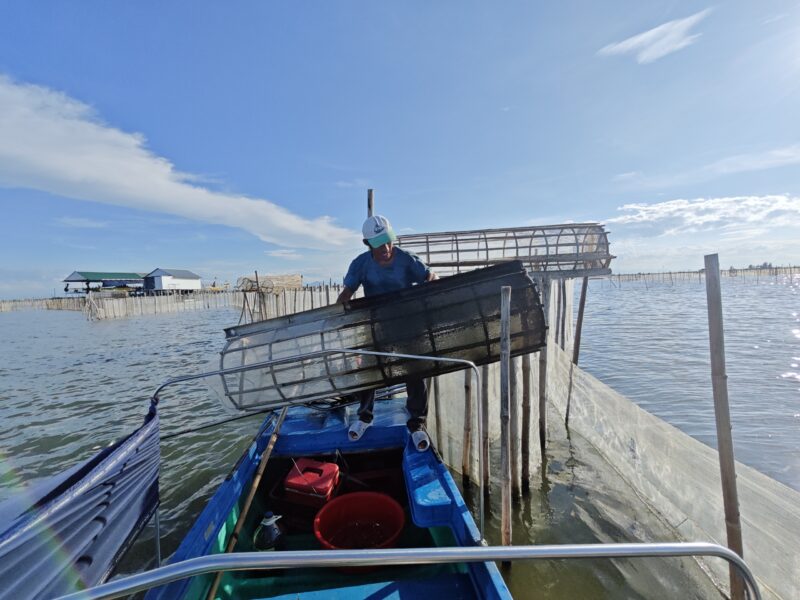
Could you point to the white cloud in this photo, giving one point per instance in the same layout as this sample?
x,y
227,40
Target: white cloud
x,y
659,41
774,18
779,157
676,234
731,165
81,223
626,177
353,183
287,254
56,144
739,214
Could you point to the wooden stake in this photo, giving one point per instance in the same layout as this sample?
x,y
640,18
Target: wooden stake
x,y
545,285
576,345
514,446
466,447
485,416
562,303
719,382
437,412
505,400
526,422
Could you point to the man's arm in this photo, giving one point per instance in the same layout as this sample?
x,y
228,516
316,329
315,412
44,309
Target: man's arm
x,y
345,296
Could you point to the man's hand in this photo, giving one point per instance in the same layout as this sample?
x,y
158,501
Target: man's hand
x,y
345,296
431,276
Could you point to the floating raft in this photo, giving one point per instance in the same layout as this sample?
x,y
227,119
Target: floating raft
x,y
454,317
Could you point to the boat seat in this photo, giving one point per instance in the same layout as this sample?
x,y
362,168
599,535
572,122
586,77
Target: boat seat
x,y
453,586
431,505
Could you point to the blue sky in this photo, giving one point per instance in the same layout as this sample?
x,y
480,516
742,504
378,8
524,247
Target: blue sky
x,y
231,137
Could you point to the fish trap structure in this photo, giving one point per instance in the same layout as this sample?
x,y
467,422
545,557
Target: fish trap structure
x,y
554,251
457,317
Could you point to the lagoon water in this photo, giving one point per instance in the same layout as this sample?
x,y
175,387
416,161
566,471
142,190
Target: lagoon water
x,y
69,387
650,343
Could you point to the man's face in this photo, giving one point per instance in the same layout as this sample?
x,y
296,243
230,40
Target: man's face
x,y
383,254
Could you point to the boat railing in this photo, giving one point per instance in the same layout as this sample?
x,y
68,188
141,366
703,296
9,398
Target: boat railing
x,y
248,561
320,353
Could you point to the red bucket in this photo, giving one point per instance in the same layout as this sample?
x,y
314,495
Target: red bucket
x,y
359,520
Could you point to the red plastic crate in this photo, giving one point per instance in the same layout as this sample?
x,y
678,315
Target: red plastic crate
x,y
311,482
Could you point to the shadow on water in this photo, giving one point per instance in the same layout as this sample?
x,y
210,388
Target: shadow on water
x,y
578,498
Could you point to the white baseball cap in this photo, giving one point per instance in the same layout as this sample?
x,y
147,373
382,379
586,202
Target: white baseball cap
x,y
378,231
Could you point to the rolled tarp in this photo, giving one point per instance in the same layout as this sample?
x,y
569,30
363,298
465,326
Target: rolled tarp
x,y
67,533
453,317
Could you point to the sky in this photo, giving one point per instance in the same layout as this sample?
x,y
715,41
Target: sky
x,y
227,138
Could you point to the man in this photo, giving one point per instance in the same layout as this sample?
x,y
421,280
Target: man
x,y
384,268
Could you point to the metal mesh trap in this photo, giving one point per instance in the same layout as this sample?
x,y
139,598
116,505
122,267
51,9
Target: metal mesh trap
x,y
455,317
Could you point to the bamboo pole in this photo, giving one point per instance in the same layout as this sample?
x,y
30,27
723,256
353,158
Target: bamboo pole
x,y
543,370
437,411
722,412
558,324
514,446
562,302
505,359
485,430
576,345
526,422
262,465
466,448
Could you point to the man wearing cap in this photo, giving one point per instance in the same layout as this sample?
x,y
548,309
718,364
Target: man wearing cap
x,y
384,268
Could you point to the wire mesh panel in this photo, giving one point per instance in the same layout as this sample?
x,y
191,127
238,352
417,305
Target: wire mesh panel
x,y
456,317
571,250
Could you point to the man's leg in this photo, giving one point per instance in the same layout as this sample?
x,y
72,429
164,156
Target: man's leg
x,y
417,403
365,408
366,404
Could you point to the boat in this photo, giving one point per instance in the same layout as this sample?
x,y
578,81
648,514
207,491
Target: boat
x,y
383,462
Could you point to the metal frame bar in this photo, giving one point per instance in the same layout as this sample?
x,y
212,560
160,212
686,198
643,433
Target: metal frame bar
x,y
287,359
244,561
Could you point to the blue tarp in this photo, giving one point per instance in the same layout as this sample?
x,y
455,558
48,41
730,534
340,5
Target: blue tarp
x,y
73,528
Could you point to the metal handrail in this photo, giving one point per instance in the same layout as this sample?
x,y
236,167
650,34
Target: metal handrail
x,y
245,561
319,353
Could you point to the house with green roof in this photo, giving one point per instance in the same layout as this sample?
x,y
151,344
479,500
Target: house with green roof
x,y
106,279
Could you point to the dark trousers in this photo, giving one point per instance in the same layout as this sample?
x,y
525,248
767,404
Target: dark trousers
x,y
417,404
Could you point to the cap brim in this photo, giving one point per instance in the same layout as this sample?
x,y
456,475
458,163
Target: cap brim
x,y
384,238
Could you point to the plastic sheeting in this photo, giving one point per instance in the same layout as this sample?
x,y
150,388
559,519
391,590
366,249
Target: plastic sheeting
x,y
455,317
68,532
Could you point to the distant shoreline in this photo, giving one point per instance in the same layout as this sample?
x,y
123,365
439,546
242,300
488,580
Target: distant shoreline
x,y
750,273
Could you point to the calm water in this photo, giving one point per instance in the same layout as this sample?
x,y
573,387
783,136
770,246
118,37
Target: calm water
x,y
69,387
650,342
